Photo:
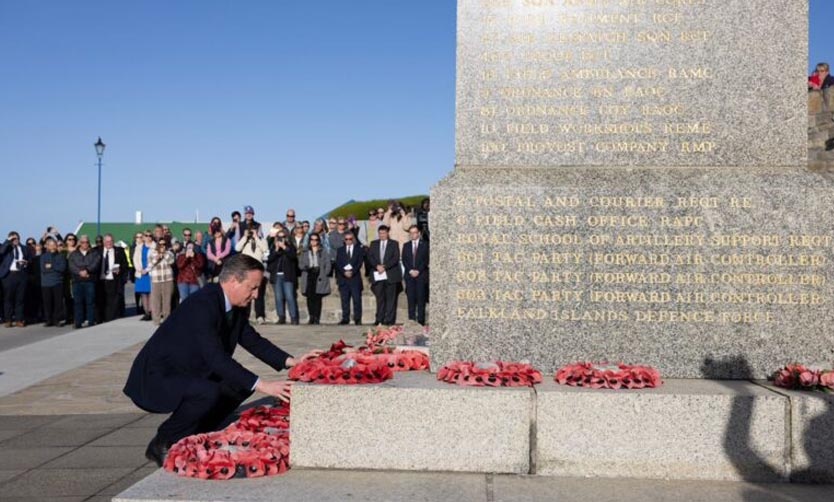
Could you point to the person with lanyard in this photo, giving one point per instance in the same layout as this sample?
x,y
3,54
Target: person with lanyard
x,y
14,260
186,367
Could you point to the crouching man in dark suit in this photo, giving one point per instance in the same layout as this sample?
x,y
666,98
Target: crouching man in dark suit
x,y
186,368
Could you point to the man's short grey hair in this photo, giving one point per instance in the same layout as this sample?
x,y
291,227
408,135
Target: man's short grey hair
x,y
823,66
238,266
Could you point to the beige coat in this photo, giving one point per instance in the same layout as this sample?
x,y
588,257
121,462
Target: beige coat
x,y
398,229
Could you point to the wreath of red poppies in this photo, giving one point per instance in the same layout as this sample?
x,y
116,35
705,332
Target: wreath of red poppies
x,y
620,376
256,445
800,377
342,365
497,374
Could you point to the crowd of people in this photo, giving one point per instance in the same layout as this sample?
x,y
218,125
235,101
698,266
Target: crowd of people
x,y
59,280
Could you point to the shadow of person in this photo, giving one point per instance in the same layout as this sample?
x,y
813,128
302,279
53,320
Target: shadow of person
x,y
737,438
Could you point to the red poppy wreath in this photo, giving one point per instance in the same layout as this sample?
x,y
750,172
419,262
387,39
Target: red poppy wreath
x,y
620,376
341,365
800,377
497,374
254,446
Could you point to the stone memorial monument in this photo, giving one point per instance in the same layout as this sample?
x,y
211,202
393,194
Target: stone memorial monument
x,y
632,185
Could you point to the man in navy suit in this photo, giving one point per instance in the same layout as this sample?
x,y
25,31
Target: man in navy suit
x,y
14,260
386,276
349,259
416,263
186,368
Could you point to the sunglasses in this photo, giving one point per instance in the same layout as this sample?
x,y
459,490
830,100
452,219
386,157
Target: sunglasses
x,y
290,216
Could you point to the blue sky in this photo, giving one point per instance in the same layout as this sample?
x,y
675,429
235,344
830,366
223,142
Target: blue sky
x,y
210,105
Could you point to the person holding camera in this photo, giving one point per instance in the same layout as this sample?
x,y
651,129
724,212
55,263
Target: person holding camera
x,y
190,263
84,265
282,265
253,245
398,221
14,261
315,271
161,269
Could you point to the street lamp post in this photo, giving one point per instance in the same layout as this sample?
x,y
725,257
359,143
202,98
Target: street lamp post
x,y
99,151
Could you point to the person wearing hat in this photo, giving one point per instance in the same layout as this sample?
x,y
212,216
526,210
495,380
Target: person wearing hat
x,y
249,222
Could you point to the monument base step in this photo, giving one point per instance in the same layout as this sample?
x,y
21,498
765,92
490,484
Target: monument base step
x,y
323,485
687,429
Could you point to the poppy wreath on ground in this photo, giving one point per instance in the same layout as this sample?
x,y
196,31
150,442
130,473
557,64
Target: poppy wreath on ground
x,y
343,365
381,336
257,445
497,374
620,376
800,377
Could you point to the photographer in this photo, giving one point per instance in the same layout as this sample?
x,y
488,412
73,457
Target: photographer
x,y
282,265
14,260
398,221
190,263
422,218
161,269
251,244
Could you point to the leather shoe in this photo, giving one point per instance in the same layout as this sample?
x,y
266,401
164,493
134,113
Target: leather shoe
x,y
343,322
157,450
358,322
20,324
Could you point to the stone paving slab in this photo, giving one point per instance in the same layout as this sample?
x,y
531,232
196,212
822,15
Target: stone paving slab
x,y
536,489
6,474
53,437
99,457
313,485
27,365
63,482
137,436
29,457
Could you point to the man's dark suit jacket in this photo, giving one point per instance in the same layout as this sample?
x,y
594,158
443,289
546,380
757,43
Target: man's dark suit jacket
x,y
391,261
419,263
7,255
120,259
196,342
356,261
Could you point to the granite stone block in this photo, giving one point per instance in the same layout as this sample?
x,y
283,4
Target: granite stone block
x,y
812,435
313,486
686,429
546,83
412,422
677,268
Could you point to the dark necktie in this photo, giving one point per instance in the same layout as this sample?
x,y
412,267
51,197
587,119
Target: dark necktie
x,y
16,253
106,263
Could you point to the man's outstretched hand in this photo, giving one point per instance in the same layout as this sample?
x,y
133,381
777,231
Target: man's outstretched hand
x,y
279,389
292,361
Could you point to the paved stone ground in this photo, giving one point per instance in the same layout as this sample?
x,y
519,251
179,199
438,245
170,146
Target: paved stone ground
x,y
75,437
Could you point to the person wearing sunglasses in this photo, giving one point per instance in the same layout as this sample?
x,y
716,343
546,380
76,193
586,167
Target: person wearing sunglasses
x,y
142,262
315,267
14,260
349,259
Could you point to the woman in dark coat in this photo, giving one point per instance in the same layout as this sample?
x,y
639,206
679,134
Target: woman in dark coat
x,y
315,283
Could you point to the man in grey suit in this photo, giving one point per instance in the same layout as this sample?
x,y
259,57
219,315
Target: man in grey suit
x,y
387,276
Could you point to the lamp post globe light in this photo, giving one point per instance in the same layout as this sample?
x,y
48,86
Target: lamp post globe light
x,y
99,151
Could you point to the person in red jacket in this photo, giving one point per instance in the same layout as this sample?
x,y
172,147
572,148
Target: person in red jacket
x,y
190,265
821,79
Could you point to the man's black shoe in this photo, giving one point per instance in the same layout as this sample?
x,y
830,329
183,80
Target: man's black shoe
x,y
343,322
157,450
282,320
358,322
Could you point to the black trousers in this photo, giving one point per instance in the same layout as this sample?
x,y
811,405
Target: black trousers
x,y
53,303
205,406
260,301
351,291
386,302
14,295
110,291
416,292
